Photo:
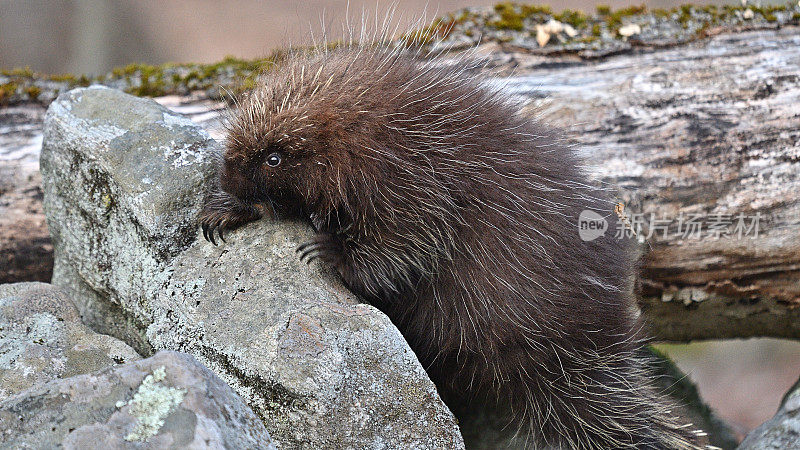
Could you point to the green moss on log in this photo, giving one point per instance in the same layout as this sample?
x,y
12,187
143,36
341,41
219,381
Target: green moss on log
x,y
505,22
232,74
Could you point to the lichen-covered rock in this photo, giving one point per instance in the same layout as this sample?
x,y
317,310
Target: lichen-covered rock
x,y
166,401
42,338
324,371
124,179
782,431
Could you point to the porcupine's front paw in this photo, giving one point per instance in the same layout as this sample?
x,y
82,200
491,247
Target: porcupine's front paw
x,y
324,246
225,212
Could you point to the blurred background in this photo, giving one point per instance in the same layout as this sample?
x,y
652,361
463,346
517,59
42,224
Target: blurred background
x,y
743,380
93,36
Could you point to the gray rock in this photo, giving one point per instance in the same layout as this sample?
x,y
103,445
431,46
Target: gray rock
x,y
123,179
166,401
42,338
780,432
322,370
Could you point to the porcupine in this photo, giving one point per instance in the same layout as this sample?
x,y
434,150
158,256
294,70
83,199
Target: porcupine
x,y
442,204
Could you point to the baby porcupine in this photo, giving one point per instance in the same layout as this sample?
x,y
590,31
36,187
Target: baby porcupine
x,y
441,204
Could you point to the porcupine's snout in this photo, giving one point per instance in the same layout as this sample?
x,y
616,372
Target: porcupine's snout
x,y
239,182
234,201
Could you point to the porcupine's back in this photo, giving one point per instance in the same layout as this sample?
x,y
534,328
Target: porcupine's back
x,y
462,222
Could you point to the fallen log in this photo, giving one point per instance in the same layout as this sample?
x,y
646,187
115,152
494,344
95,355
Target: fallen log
x,y
703,143
706,131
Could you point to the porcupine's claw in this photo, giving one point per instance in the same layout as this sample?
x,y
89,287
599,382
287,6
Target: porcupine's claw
x,y
209,222
211,234
302,248
223,212
310,250
323,246
205,230
221,229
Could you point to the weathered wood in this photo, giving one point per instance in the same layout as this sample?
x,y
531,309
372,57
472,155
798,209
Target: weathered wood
x,y
708,128
711,127
25,250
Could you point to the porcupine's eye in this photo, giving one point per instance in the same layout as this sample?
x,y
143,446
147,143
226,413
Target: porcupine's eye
x,y
274,159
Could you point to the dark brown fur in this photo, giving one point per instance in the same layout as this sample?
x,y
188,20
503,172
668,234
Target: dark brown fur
x,y
442,205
